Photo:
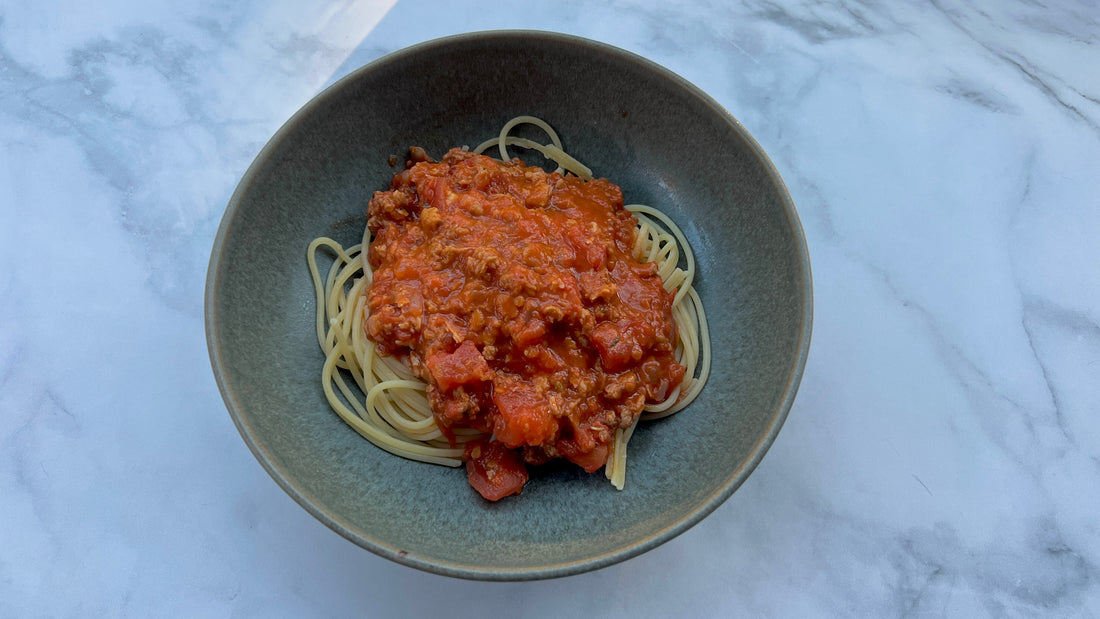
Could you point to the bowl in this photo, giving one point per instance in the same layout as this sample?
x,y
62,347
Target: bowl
x,y
666,143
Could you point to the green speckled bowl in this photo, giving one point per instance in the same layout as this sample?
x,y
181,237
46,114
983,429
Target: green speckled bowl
x,y
666,143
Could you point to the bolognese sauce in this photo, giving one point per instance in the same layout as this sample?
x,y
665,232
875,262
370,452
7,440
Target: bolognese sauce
x,y
513,293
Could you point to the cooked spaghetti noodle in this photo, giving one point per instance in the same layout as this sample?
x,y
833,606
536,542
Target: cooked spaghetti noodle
x,y
389,405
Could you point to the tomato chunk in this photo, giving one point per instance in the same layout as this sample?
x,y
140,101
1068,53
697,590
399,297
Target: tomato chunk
x,y
463,366
523,418
494,470
616,346
590,461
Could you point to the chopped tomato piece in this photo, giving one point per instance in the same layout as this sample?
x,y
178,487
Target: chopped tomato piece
x,y
616,346
494,470
590,461
523,418
463,366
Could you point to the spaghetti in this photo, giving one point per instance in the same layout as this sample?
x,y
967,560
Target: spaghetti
x,y
387,403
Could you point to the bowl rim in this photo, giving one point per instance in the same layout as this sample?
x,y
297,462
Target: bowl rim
x,y
475,572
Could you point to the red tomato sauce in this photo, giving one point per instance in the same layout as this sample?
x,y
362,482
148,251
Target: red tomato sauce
x,y
513,293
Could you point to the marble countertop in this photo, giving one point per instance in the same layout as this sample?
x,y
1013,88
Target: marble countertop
x,y
943,454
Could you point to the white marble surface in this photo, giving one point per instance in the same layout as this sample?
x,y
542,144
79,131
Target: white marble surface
x,y
943,455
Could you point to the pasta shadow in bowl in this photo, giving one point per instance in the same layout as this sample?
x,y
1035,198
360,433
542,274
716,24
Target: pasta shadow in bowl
x,y
666,144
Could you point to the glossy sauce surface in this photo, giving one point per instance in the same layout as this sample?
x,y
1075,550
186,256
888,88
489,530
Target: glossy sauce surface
x,y
513,293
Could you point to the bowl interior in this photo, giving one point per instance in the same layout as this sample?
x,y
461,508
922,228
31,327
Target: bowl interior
x,y
666,144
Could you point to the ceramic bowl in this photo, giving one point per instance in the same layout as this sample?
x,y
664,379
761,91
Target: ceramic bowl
x,y
666,143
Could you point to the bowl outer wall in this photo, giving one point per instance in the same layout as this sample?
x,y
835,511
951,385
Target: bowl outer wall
x,y
665,143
